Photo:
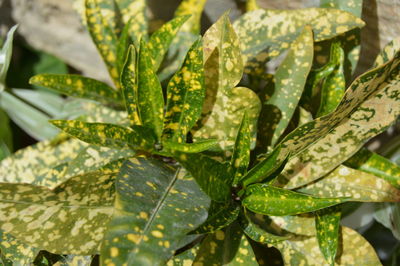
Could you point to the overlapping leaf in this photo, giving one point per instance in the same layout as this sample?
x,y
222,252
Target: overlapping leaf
x,y
5,56
151,216
241,153
16,251
195,147
388,52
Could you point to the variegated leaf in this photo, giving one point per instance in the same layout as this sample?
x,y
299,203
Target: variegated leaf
x,y
273,30
5,56
16,251
226,247
194,8
185,96
304,251
241,152
160,40
149,93
290,79
354,184
195,147
327,226
108,135
303,225
78,86
369,106
151,216
388,52
185,258
74,260
268,200
58,220
212,176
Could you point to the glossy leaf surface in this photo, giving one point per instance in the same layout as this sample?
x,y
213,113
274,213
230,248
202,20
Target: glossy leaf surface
x,y
5,56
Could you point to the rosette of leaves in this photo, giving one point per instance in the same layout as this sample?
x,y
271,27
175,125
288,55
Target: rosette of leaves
x,y
203,171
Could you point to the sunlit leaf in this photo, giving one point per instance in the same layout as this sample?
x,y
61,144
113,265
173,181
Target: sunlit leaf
x,y
241,152
195,147
5,56
252,5
194,8
388,52
155,208
16,251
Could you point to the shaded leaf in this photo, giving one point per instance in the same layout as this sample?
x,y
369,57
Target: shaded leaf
x,y
185,96
269,200
354,184
5,56
195,147
74,260
151,217
78,86
6,137
185,258
388,214
241,152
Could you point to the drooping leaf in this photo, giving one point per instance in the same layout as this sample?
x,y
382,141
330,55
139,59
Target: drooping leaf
x,y
273,30
108,135
368,107
103,36
5,56
226,247
160,40
327,226
241,152
269,200
305,251
195,147
212,176
354,184
149,93
185,96
16,251
58,220
151,216
78,86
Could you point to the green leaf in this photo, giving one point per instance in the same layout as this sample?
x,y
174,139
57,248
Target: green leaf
x,y
185,258
108,135
388,52
241,152
160,40
149,93
212,176
6,136
78,86
195,147
370,162
185,96
252,5
129,9
369,106
290,79
303,225
273,30
5,56
103,37
269,200
354,184
16,251
194,8
388,214
155,208
305,251
58,220
221,218
124,41
226,247
31,120
74,260
327,226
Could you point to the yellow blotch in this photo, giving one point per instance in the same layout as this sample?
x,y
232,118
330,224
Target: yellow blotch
x,y
157,234
143,215
220,235
114,252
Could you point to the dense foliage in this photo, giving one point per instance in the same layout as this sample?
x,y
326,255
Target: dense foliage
x,y
199,153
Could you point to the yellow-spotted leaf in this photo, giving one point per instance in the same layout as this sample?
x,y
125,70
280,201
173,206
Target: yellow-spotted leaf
x,y
194,8
290,79
327,226
241,152
74,260
226,247
155,208
185,258
266,33
303,225
58,220
195,147
16,251
369,106
388,52
354,184
104,37
108,135
124,42
78,86
185,96
149,93
268,200
212,176
160,40
305,251
370,162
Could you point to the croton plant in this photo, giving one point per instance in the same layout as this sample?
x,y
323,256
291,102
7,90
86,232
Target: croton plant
x,y
204,153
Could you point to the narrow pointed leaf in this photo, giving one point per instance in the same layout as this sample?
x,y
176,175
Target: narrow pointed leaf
x,y
154,209
388,52
193,8
226,247
212,176
5,56
108,135
241,152
160,40
149,93
354,184
78,86
130,87
103,37
327,226
185,96
269,200
195,147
